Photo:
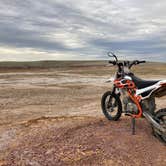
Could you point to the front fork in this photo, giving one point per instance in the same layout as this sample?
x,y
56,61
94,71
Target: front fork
x,y
116,91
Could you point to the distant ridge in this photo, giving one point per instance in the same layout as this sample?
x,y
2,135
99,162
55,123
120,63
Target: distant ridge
x,y
49,64
54,64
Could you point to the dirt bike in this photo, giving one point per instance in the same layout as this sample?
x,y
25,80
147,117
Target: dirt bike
x,y
134,97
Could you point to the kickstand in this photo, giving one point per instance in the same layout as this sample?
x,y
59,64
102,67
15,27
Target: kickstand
x,y
133,126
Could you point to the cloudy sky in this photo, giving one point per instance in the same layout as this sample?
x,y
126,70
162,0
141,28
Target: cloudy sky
x,y
88,29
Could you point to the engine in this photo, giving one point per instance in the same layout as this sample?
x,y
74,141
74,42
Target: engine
x,y
149,105
128,104
130,107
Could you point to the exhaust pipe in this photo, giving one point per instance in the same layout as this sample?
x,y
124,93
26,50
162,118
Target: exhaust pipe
x,y
149,117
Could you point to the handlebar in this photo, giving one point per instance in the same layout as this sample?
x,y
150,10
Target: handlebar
x,y
126,63
136,62
142,61
123,64
113,62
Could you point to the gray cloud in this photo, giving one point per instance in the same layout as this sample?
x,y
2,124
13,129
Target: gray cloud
x,y
73,29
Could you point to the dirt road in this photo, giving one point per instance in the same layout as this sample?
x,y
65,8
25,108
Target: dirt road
x,y
53,117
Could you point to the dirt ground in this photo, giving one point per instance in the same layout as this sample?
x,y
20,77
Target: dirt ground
x,y
53,117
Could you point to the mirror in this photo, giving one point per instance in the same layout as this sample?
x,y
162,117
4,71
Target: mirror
x,y
111,54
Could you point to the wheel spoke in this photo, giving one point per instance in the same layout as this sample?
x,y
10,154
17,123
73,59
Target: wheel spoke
x,y
111,105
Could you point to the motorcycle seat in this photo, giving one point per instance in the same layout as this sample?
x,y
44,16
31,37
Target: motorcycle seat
x,y
140,83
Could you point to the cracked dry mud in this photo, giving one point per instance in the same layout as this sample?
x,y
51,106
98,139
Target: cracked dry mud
x,y
51,117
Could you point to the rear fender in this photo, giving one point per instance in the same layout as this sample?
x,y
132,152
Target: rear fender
x,y
160,92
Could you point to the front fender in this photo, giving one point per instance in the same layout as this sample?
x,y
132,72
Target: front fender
x,y
110,80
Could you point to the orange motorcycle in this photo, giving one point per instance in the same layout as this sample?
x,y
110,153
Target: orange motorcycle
x,y
134,97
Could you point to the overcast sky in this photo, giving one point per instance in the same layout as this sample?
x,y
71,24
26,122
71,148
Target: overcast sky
x,y
87,29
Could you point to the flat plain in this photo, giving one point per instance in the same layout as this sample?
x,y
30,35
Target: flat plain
x,y
50,115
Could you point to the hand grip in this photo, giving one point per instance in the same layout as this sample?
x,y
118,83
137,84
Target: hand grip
x,y
112,62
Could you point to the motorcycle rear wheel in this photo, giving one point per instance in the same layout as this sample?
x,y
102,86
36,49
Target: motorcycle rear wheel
x,y
161,118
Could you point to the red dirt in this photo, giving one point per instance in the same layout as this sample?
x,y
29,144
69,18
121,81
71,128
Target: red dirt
x,y
86,141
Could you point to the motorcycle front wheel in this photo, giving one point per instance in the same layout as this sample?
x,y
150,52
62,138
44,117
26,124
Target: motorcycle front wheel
x,y
111,106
